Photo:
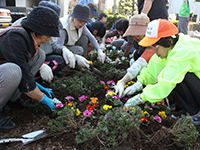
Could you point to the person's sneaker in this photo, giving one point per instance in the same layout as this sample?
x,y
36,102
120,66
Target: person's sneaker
x,y
196,120
6,123
20,103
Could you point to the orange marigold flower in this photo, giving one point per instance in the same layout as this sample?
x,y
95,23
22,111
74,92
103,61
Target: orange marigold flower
x,y
94,99
65,103
70,103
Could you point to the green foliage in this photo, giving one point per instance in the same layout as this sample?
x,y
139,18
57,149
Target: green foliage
x,y
80,84
115,126
65,121
112,73
184,131
86,134
111,19
127,6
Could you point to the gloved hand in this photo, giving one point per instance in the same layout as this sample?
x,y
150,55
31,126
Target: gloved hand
x,y
102,46
119,88
101,55
69,57
136,67
136,100
46,73
81,61
133,89
43,89
47,101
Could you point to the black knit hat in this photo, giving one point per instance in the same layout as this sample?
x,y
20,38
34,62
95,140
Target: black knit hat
x,y
42,20
81,12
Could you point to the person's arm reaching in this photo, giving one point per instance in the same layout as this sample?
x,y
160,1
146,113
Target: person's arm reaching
x,y
147,6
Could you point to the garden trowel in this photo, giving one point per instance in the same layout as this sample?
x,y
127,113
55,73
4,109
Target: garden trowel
x,y
95,70
27,138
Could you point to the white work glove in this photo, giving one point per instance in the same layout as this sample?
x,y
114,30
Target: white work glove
x,y
69,57
81,61
135,68
136,100
102,46
101,55
46,73
119,88
137,87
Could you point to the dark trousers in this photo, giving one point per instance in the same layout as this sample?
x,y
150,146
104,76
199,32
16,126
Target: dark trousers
x,y
187,94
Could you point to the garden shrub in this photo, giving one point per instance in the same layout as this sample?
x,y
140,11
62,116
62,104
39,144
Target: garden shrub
x,y
184,132
111,19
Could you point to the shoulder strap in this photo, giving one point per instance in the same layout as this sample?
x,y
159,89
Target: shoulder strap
x,y
9,28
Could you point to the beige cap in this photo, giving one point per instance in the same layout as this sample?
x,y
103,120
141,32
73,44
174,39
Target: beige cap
x,y
137,25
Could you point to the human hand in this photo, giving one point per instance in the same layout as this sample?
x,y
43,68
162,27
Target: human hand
x,y
81,61
119,88
46,73
136,100
69,57
133,89
43,89
48,101
101,55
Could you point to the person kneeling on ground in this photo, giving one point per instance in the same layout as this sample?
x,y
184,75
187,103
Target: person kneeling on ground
x,y
137,28
75,34
175,67
21,59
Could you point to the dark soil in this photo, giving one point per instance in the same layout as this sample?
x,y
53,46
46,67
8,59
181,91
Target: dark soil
x,y
29,119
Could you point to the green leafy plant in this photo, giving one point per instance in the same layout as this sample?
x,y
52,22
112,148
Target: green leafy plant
x,y
184,131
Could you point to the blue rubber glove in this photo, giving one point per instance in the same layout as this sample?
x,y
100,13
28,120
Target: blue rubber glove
x,y
43,89
47,101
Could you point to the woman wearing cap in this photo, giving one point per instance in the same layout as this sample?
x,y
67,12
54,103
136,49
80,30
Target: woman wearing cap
x,y
75,34
137,28
21,59
175,67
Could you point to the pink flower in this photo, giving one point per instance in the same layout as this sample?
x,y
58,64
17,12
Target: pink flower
x,y
59,105
111,82
132,119
69,97
82,98
109,91
109,40
126,98
157,118
102,82
106,116
87,113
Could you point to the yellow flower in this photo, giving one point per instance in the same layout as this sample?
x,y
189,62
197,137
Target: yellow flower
x,y
110,93
125,108
78,112
132,82
72,107
162,114
94,99
106,107
125,86
145,112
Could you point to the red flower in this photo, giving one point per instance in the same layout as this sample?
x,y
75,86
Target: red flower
x,y
106,87
91,108
144,119
95,105
88,105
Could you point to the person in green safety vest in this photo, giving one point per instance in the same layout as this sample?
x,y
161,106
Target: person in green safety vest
x,y
175,66
185,14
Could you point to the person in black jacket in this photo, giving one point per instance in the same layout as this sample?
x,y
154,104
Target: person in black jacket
x,y
21,58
